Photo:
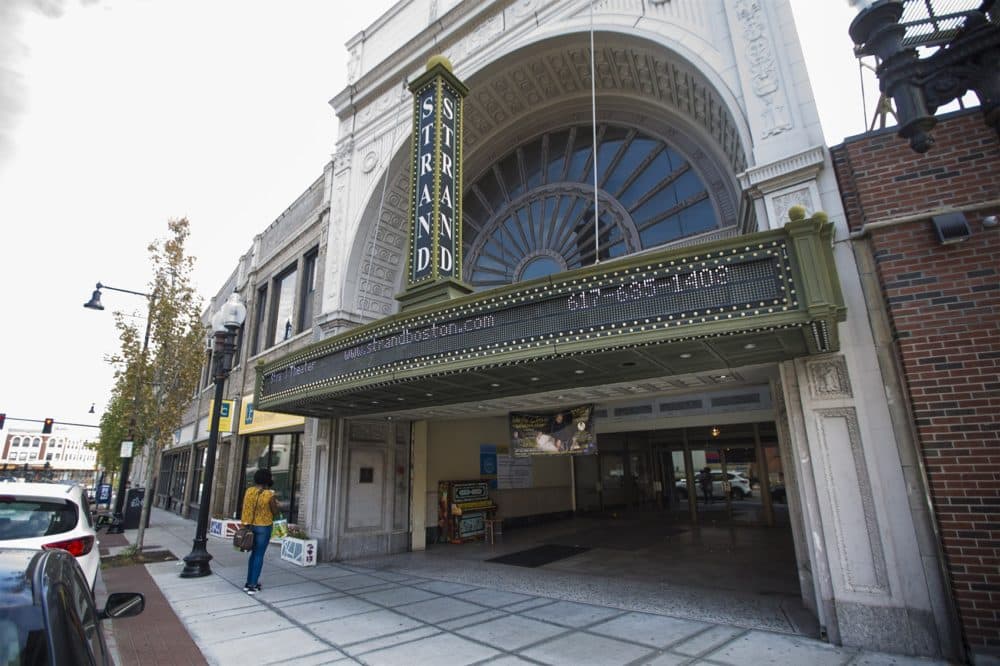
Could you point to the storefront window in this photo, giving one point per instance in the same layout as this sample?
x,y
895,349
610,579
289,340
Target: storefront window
x,y
179,479
199,470
282,455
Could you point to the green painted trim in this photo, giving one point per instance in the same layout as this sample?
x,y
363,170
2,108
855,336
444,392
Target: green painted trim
x,y
816,307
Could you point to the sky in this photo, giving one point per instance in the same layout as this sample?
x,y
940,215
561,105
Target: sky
x,y
118,115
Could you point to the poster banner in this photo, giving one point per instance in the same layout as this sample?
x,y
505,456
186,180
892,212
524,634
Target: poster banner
x,y
565,431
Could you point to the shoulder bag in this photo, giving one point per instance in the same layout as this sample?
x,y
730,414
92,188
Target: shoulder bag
x,y
243,538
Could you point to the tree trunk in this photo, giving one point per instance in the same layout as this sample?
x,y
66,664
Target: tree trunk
x,y
147,500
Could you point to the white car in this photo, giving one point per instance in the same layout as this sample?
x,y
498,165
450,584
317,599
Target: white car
x,y
739,485
47,516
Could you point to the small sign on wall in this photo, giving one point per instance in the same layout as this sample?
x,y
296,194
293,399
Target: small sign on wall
x,y
488,464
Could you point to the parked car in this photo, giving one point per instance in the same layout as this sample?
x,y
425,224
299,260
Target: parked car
x,y
47,516
47,613
739,485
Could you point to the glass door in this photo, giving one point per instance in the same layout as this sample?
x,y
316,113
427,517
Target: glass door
x,y
726,473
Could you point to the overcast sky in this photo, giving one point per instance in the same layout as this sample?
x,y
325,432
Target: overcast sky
x,y
116,115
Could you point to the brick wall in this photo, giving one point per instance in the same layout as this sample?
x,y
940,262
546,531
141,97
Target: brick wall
x,y
943,302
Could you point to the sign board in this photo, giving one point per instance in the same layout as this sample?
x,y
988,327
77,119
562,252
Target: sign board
x,y
781,282
225,414
104,493
679,294
513,472
255,420
126,450
436,185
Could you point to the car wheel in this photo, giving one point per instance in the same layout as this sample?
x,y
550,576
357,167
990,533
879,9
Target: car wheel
x,y
738,493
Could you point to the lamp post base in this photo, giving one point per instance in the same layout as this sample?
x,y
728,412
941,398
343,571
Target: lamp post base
x,y
196,562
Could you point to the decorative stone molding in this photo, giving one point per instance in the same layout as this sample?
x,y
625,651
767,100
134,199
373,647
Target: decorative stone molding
x,y
332,323
538,79
854,521
828,379
335,233
354,65
779,203
484,34
765,78
782,203
791,170
382,104
522,8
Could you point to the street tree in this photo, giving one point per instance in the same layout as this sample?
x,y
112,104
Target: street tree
x,y
155,381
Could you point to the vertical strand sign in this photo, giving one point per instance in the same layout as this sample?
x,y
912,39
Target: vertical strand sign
x,y
436,180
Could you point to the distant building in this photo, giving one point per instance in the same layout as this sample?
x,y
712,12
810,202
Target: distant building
x,y
65,456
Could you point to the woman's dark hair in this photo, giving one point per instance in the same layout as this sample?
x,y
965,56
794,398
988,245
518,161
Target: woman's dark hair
x,y
262,477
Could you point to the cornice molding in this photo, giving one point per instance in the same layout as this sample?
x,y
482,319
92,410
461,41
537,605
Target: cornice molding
x,y
760,180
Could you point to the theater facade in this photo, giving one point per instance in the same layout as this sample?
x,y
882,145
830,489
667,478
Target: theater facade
x,y
711,317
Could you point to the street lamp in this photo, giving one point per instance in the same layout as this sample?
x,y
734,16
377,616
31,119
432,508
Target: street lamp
x,y
225,324
117,518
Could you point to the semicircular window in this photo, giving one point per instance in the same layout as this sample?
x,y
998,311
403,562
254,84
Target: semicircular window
x,y
532,213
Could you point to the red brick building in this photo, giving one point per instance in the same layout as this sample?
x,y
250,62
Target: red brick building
x,y
941,304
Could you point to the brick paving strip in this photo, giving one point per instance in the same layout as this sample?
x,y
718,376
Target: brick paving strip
x,y
155,637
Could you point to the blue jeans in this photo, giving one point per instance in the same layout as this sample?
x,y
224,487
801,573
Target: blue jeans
x,y
261,537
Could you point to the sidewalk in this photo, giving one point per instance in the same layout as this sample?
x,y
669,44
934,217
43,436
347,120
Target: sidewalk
x,y
396,610
156,636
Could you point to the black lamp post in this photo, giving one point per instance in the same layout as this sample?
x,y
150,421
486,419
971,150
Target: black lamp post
x,y
117,518
225,324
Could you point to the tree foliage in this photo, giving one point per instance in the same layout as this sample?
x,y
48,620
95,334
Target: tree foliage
x,y
154,383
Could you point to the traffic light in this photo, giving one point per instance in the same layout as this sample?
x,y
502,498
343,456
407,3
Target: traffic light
x,y
47,427
3,417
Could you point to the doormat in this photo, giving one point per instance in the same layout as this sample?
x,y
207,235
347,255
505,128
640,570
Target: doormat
x,y
536,557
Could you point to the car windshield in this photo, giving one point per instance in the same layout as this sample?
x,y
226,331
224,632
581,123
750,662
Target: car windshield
x,y
27,518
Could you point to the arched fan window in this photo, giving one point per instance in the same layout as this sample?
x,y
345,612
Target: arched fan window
x,y
532,213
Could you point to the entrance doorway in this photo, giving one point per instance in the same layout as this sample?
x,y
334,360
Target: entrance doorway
x,y
701,475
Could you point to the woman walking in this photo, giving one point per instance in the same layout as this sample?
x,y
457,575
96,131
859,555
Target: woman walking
x,y
259,509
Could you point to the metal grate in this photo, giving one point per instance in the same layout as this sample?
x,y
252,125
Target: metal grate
x,y
935,22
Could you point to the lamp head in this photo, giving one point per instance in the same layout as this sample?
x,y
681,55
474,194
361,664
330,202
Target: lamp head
x,y
230,315
95,300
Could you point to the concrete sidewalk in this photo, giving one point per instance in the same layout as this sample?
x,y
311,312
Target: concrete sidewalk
x,y
398,610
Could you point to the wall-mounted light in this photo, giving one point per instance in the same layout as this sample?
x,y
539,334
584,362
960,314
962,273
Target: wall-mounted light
x,y
715,431
951,227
